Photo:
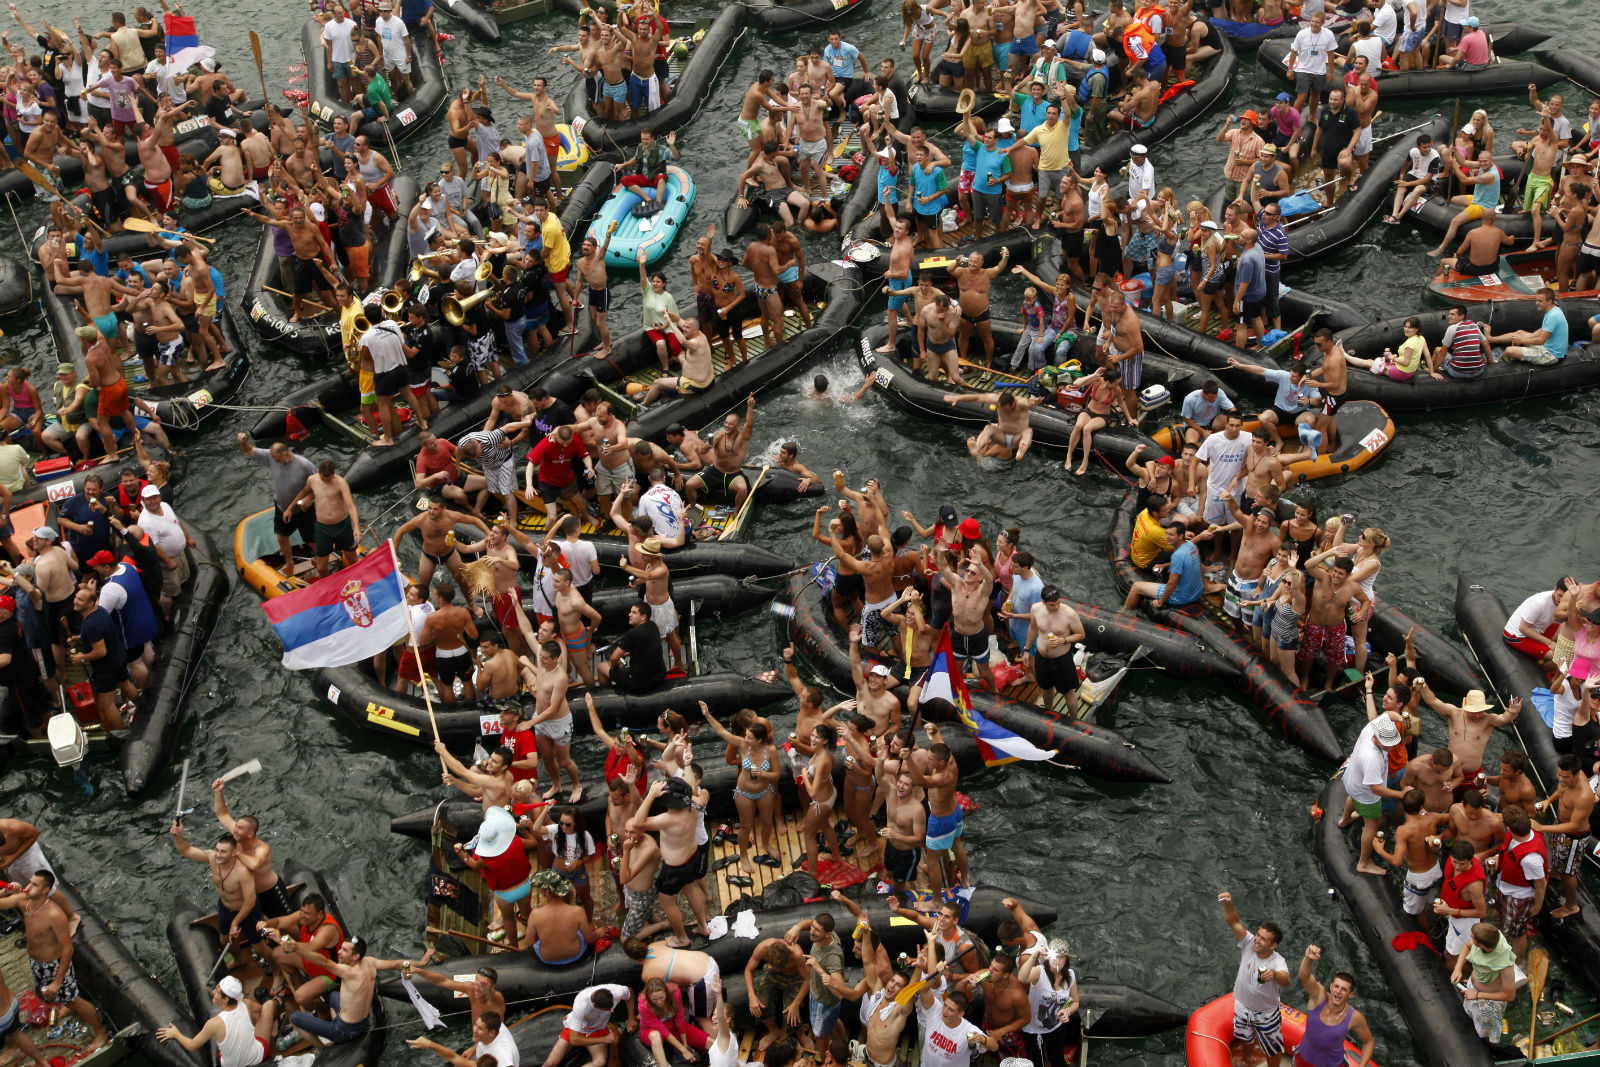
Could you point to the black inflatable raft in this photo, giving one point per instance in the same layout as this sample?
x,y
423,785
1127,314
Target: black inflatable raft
x,y
181,406
1093,749
1434,212
1322,231
1419,984
16,285
691,90
478,20
192,934
409,115
1511,77
772,17
1295,715
739,559
1504,382
164,700
122,988
1179,654
1482,618
863,195
1577,67
841,297
269,311
864,249
191,220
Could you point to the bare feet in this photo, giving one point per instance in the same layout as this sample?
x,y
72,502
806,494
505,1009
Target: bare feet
x,y
577,794
972,447
1564,911
1435,253
884,350
1367,868
1345,822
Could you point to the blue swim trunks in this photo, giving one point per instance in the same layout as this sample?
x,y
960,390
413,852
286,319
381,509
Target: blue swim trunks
x,y
943,830
899,284
791,273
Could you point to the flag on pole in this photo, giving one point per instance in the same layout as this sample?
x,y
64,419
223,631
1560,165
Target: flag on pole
x,y
347,617
180,33
943,681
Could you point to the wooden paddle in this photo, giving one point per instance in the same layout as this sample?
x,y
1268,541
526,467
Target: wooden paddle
x,y
31,172
146,226
1538,971
1565,1030
738,520
255,50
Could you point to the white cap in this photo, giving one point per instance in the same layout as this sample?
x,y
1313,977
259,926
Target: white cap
x,y
1470,130
226,131
1139,150
880,670
1097,56
1050,42
209,66
150,490
231,988
886,154
1004,126
318,212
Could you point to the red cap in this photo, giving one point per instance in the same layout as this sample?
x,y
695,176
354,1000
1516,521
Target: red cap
x,y
8,603
1167,461
969,528
102,558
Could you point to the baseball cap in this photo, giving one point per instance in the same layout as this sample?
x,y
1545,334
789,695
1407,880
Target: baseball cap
x,y
1167,461
150,490
45,533
224,131
1210,224
880,670
1385,732
102,558
1097,56
1004,126
1282,98
947,514
66,368
969,527
1472,20
1049,43
231,987
886,154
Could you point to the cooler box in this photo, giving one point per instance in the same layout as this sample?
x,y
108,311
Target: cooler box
x,y
1153,396
1071,397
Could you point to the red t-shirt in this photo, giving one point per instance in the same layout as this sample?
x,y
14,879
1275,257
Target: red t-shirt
x,y
554,459
442,458
507,870
521,744
617,766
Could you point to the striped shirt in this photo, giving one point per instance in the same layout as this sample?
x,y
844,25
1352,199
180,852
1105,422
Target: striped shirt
x,y
1273,241
1465,342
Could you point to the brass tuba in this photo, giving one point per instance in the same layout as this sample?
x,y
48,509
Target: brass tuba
x,y
455,309
391,303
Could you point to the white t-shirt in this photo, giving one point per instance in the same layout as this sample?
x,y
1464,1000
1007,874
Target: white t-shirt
x,y
579,847
169,79
1416,15
1532,870
1456,11
1045,1001
163,527
1311,50
663,505
1368,766
1384,21
585,1018
581,560
944,1046
114,598
1565,705
1423,165
1141,179
1538,611
393,33
338,35
1249,992
503,1048
1225,459
1370,47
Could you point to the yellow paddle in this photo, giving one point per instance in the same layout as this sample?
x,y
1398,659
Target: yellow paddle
x,y
146,226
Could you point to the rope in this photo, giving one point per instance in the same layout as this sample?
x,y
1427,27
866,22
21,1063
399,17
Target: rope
x,y
1112,468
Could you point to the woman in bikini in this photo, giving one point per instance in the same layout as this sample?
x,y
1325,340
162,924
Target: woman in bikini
x,y
20,404
849,590
1096,414
824,795
755,796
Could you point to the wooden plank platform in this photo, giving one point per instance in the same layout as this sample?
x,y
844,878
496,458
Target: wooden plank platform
x,y
791,851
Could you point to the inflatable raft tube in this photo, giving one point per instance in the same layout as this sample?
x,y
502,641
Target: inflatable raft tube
x,y
56,488
1052,426
1482,617
1502,78
1435,212
1179,654
841,297
269,311
164,701
138,244
654,232
1446,667
194,950
1313,235
1177,113
1577,67
935,105
691,90
523,978
862,247
1093,749
409,115
16,285
719,778
771,17
1365,433
123,989
181,406
1294,714
1419,983
1210,1030
479,21
736,558
1503,383
380,710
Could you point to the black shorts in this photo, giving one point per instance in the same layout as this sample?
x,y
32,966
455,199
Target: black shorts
x,y
456,142
670,880
390,382
60,618
1071,244
901,864
447,669
303,523
550,494
600,299
1058,673
274,902
306,276
339,536
1331,404
1587,262
1285,418
1253,309
974,647
106,675
1177,56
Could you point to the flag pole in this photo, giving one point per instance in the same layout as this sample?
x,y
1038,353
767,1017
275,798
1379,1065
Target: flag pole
x,y
416,652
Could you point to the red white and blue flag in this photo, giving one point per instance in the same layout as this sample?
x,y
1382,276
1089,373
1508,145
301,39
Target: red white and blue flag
x,y
347,617
181,33
943,681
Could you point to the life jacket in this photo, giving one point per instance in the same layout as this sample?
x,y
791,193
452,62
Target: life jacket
x,y
311,969
1084,92
1451,890
136,618
1138,40
1512,855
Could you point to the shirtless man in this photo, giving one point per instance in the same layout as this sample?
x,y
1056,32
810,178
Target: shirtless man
x,y
552,721
1479,251
338,521
492,785
97,291
1264,470
1539,158
437,525
571,610
811,140
1567,814
1516,789
507,604
1005,1006
53,575
254,853
159,157
447,628
1436,774
878,574
724,479
758,96
1331,595
680,870
1472,821
937,325
1022,199
311,253
228,163
651,569
50,949
972,290
257,152
905,828
1054,630
636,873
1010,434
1471,726
546,117
458,117
1259,543
1362,97
482,996
1137,108
498,676
1124,345
356,977
969,598
695,368
897,279
238,909
774,188
761,260
944,814
1418,849
1332,378
44,142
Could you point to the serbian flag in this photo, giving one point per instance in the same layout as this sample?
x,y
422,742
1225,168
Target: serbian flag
x,y
943,681
180,33
349,616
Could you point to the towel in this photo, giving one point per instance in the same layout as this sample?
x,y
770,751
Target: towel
x,y
429,1013
744,925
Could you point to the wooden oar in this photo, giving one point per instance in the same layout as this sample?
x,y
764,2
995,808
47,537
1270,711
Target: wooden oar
x,y
255,49
31,172
146,226
1538,970
738,520
465,936
1565,1030
305,302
